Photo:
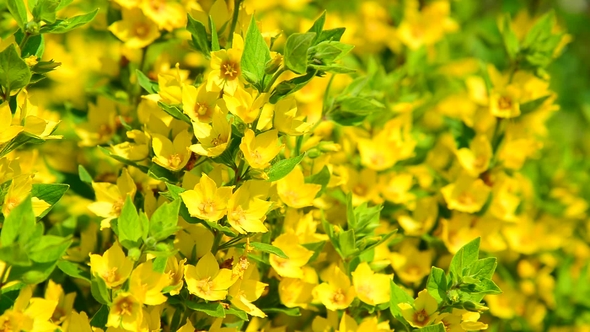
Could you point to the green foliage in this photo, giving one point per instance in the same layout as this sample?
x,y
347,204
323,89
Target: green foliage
x,y
256,52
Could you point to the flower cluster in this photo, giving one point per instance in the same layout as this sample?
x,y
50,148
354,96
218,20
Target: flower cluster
x,y
270,165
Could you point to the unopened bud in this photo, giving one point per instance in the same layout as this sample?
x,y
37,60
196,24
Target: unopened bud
x,y
258,174
31,61
329,147
313,153
475,307
273,64
150,242
32,28
134,254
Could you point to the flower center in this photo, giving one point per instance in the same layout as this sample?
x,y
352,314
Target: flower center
x,y
125,307
205,285
110,275
201,109
339,296
421,317
174,160
207,207
229,70
504,103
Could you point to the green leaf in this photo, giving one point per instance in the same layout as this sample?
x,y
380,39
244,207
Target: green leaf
x,y
331,34
255,55
164,221
129,225
485,286
21,218
73,270
69,24
50,193
199,35
49,248
18,10
101,317
347,243
316,247
296,49
286,88
432,328
318,26
270,249
329,51
63,4
466,256
147,84
483,268
46,10
293,312
540,30
237,312
509,36
437,284
175,112
322,178
283,167
212,309
214,38
35,46
99,290
34,274
14,71
84,175
398,295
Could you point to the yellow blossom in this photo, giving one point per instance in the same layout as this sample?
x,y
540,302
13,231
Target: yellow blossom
x,y
135,29
466,194
246,211
199,104
336,292
206,201
294,192
172,155
113,266
206,280
371,288
261,149
110,198
213,139
126,312
423,312
147,285
297,255
226,70
245,104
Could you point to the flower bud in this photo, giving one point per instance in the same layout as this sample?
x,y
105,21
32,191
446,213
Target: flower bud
x,y
32,28
329,147
313,153
150,242
134,254
274,63
475,307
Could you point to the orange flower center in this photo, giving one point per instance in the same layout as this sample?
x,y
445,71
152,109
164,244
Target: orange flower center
x,y
174,160
421,317
230,70
504,103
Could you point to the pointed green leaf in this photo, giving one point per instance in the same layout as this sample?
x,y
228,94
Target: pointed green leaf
x,y
283,167
255,55
296,49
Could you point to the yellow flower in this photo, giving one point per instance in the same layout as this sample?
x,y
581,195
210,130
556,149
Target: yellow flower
x,y
206,280
20,188
126,312
427,26
206,201
422,218
247,290
295,292
175,272
294,192
476,159
199,104
147,285
410,264
213,139
135,29
297,255
245,211
336,292
371,288
29,313
7,130
286,119
226,71
101,125
65,303
505,97
172,155
169,15
260,150
423,312
193,239
467,194
113,266
110,198
244,105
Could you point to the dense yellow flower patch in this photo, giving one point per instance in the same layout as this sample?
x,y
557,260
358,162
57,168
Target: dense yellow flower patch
x,y
244,165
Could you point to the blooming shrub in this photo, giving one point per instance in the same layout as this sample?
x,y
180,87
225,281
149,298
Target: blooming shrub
x,y
292,166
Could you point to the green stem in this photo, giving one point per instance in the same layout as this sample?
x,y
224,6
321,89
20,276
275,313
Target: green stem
x,y
274,78
23,42
216,241
234,22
